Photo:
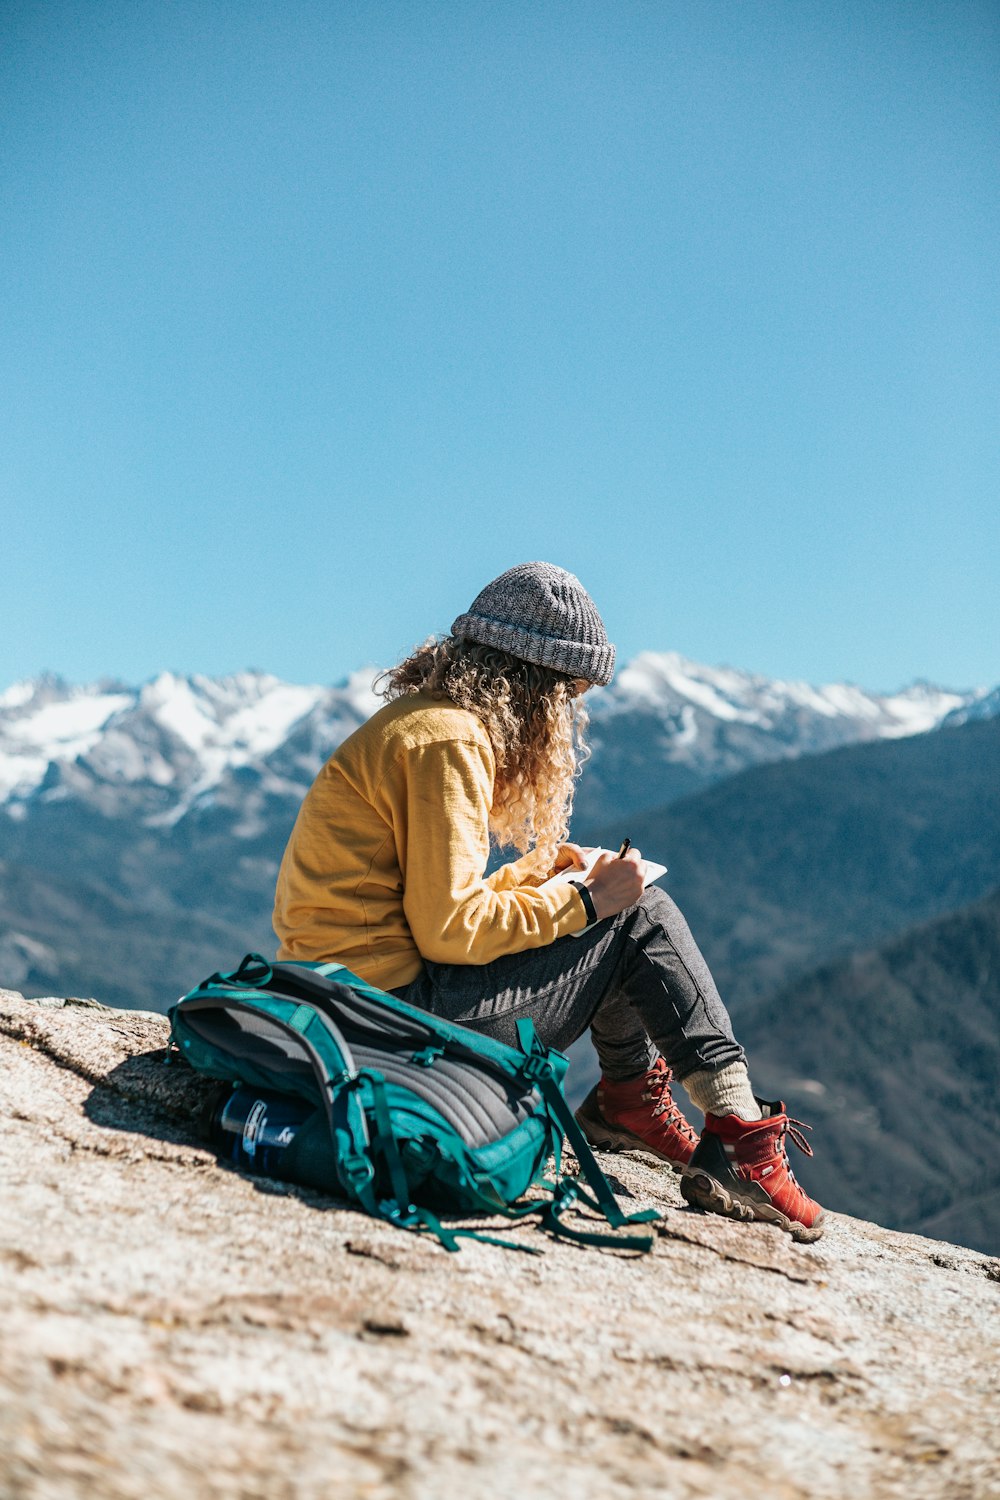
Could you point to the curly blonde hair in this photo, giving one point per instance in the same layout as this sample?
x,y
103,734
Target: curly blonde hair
x,y
536,722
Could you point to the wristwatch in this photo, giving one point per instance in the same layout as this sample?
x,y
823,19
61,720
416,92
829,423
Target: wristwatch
x,y
588,901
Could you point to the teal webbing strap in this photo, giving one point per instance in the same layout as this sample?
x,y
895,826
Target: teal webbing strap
x,y
605,1198
564,1196
350,1139
254,972
384,1142
539,1070
449,1237
550,1211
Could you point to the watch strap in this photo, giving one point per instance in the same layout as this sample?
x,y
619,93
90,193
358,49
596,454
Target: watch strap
x,y
588,901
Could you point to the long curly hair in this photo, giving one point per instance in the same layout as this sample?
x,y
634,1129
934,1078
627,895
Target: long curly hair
x,y
536,722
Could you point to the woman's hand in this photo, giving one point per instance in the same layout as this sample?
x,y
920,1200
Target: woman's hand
x,y
570,857
616,884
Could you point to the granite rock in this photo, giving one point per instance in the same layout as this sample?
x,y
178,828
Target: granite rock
x,y
172,1328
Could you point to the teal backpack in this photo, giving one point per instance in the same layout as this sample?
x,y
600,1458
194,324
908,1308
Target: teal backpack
x,y
406,1116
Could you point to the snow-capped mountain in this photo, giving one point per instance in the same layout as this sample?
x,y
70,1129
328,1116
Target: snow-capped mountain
x,y
984,706
668,726
687,692
141,828
171,744
178,745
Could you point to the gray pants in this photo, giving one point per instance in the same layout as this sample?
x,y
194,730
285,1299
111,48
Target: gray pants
x,y
638,980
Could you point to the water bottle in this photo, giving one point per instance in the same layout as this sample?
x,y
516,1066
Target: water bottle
x,y
254,1130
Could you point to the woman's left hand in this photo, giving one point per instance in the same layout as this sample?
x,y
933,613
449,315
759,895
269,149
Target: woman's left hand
x,y
570,857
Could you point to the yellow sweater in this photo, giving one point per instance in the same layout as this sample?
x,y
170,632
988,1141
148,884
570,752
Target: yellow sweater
x,y
385,864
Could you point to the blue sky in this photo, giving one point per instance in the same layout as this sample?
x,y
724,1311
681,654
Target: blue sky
x,y
315,316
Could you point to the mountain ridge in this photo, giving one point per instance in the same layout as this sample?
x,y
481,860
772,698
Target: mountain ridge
x,y
176,743
778,869
787,864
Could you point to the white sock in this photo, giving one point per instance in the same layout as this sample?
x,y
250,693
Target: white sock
x,y
723,1091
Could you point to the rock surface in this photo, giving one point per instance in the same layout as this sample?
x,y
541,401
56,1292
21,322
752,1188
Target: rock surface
x,y
168,1328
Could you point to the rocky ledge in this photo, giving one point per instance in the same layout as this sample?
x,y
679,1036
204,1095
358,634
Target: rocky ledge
x,y
170,1328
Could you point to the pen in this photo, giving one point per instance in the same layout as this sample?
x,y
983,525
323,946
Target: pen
x,y
626,846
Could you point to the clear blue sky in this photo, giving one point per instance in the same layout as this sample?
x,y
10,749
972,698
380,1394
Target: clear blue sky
x,y
315,316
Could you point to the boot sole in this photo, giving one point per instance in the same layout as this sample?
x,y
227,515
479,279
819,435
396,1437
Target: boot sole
x,y
605,1137
703,1192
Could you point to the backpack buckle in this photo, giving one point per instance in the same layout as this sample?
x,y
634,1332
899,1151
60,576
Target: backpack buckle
x,y
535,1065
356,1172
427,1056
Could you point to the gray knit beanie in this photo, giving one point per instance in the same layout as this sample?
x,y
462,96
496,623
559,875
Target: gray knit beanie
x,y
542,614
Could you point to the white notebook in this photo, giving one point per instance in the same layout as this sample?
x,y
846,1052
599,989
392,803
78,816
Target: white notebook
x,y
653,872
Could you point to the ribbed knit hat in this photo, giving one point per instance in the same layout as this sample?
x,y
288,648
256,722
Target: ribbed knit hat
x,y
542,614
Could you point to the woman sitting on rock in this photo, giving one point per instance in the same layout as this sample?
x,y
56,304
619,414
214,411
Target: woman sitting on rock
x,y
385,872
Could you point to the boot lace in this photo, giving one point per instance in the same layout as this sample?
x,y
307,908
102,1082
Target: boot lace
x,y
793,1129
665,1104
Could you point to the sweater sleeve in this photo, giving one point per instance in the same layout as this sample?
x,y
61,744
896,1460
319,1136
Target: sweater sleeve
x,y
524,871
439,798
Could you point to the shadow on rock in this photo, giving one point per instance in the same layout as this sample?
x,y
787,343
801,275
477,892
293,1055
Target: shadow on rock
x,y
146,1095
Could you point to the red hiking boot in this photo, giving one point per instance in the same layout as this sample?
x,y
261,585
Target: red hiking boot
x,y
638,1115
741,1169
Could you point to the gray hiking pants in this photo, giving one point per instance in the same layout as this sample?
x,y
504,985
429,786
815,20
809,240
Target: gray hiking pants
x,y
638,980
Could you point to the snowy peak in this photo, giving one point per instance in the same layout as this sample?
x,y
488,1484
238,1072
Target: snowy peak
x,y
665,682
46,721
243,716
185,732
177,744
976,706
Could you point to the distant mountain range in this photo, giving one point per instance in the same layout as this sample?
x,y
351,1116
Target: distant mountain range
x,y
668,727
174,745
788,865
154,817
182,745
